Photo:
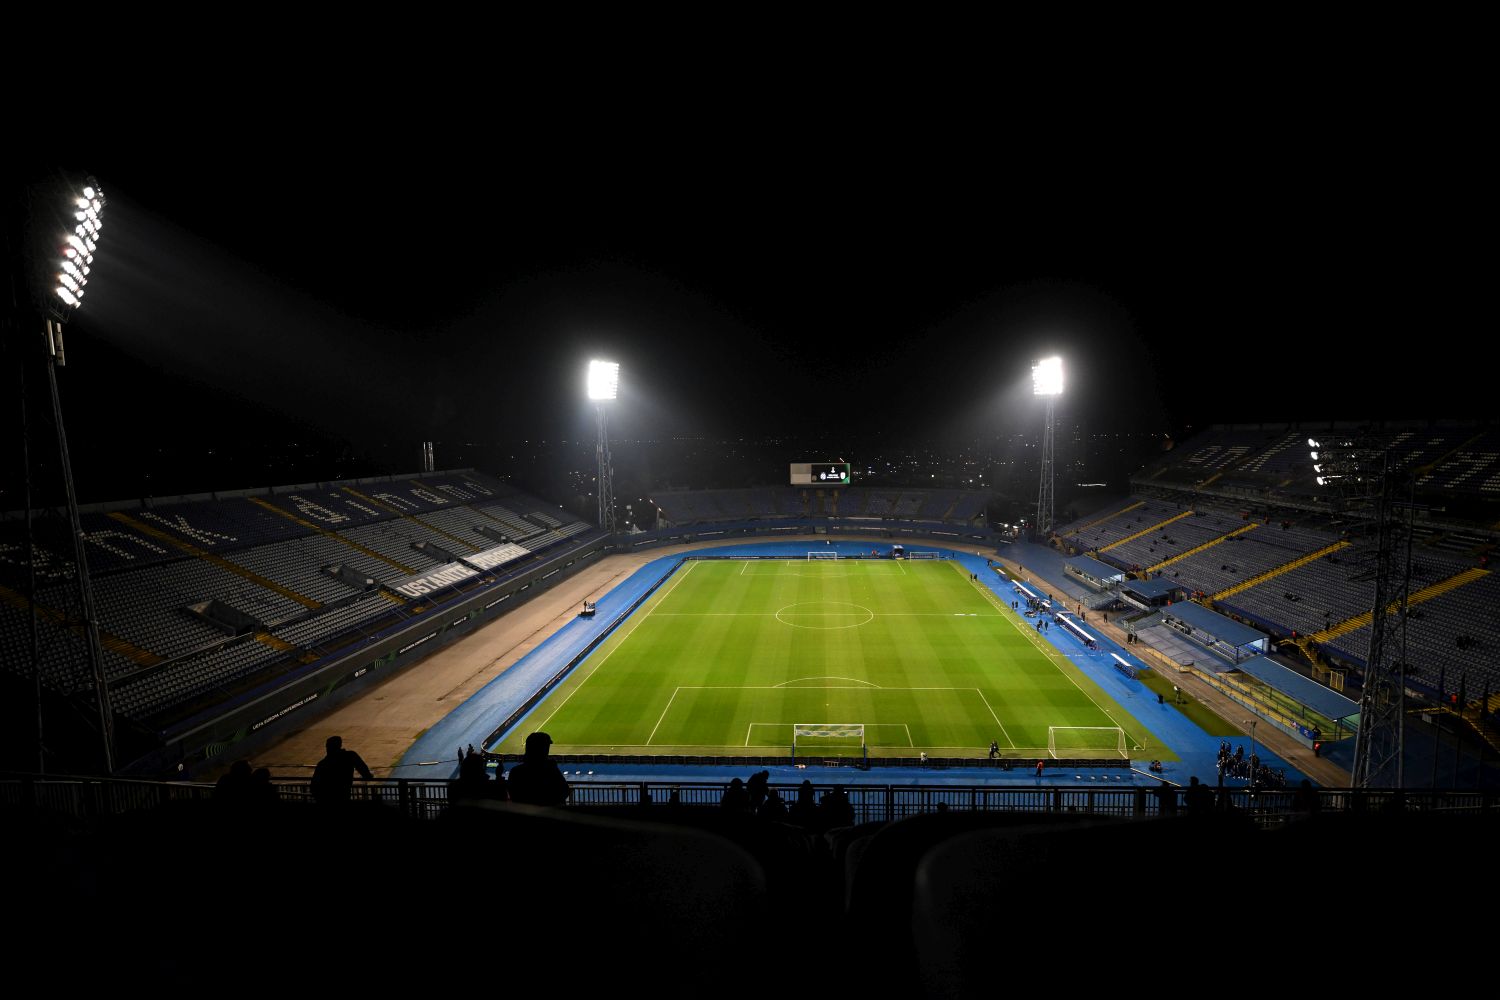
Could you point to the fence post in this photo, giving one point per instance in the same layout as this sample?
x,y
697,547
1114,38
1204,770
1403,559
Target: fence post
x,y
1140,802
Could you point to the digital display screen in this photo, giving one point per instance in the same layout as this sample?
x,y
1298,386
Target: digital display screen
x,y
820,473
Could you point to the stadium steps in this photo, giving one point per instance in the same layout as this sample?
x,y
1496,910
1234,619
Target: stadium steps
x,y
133,653
1143,534
1109,517
1206,545
406,570
219,561
412,517
1276,571
1483,726
1425,594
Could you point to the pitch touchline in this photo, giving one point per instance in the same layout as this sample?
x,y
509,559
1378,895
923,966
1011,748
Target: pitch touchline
x,y
617,645
1049,654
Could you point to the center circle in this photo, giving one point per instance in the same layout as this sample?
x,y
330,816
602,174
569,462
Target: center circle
x,y
825,615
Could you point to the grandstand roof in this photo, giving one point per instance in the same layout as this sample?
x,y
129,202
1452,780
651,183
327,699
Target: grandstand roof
x,y
1152,588
1095,568
1304,689
1215,624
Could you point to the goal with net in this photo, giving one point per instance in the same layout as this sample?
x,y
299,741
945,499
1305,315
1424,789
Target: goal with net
x,y
823,554
928,554
829,739
1086,741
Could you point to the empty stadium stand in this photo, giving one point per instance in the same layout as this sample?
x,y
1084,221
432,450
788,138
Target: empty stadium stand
x,y
197,599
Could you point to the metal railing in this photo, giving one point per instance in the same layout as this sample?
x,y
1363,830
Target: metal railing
x,y
85,797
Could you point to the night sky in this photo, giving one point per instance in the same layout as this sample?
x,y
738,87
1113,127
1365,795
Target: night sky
x,y
863,264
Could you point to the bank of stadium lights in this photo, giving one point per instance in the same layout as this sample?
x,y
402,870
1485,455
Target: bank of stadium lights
x,y
1047,382
76,254
604,380
1047,377
604,386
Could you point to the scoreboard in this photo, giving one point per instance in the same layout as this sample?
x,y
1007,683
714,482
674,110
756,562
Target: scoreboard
x,y
820,473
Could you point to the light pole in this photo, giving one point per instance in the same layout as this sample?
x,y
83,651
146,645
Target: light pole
x,y
1047,381
73,223
604,386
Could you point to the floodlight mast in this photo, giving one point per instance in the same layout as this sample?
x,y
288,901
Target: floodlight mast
x,y
604,386
71,264
1365,474
1047,381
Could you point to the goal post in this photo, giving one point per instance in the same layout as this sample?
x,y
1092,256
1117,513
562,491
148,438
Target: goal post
x,y
822,554
823,739
927,554
1086,741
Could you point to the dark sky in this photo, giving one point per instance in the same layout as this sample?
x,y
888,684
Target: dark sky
x,y
821,258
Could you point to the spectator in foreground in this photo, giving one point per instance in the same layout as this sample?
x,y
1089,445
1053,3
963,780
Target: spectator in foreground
x,y
536,780
334,776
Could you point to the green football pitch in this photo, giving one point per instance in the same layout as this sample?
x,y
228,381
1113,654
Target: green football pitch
x,y
727,657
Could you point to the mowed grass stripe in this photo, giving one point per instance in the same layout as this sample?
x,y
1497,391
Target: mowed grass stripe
x,y
728,650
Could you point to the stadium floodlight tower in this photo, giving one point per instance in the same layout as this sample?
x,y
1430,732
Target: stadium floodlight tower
x,y
67,224
604,386
1047,382
1371,486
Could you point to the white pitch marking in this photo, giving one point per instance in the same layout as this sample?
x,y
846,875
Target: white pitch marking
x,y
663,715
623,637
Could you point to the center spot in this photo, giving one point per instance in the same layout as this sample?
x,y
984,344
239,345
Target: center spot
x,y
825,615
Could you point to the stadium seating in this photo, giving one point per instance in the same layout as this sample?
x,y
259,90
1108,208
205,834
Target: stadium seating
x,y
264,556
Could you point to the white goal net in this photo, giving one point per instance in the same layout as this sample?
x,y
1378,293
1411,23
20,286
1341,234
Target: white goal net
x,y
1086,741
823,554
813,739
923,555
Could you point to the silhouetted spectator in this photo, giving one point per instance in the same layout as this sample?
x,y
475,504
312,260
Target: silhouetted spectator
x,y
836,810
735,798
1166,799
536,780
262,792
472,774
674,801
774,808
334,776
234,786
804,811
1198,798
756,788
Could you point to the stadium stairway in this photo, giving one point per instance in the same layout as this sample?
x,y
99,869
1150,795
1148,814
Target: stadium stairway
x,y
1276,571
1200,548
1092,524
1143,534
1425,594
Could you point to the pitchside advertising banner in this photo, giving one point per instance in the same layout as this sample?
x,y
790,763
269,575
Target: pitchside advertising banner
x,y
820,473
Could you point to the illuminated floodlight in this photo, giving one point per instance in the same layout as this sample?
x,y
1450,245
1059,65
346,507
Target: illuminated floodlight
x,y
1047,377
604,379
76,250
1312,443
